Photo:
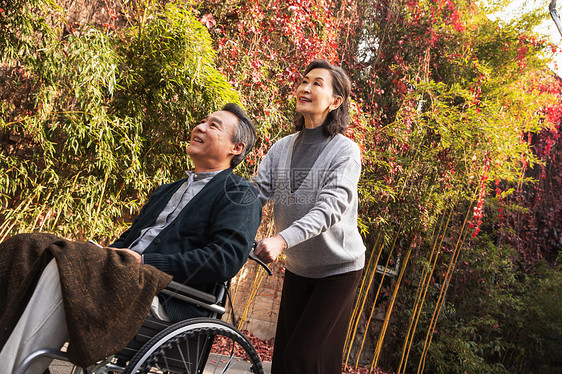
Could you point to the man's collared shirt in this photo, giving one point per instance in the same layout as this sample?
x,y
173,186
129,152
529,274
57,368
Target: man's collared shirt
x,y
191,187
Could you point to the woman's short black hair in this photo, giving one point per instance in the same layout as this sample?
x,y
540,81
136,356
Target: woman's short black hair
x,y
245,133
338,119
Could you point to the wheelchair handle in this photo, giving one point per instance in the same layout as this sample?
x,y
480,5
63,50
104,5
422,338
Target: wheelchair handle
x,y
253,256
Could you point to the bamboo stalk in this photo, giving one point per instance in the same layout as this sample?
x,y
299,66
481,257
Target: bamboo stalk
x,y
12,212
374,304
42,211
69,193
432,328
442,293
5,230
361,299
255,285
233,296
100,201
390,308
419,293
259,272
424,286
373,273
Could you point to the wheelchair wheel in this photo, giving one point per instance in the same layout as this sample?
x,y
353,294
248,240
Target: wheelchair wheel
x,y
200,345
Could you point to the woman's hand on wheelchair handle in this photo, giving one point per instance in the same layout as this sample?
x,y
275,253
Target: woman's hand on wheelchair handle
x,y
268,249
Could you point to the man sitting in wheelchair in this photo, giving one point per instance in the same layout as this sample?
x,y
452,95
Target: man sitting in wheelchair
x,y
198,229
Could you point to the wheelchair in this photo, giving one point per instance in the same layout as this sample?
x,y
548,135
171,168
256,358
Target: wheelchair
x,y
199,345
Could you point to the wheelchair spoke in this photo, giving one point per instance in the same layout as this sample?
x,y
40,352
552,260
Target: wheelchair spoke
x,y
180,351
188,353
227,364
197,346
165,362
201,351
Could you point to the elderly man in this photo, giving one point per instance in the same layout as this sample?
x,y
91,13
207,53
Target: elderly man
x,y
198,229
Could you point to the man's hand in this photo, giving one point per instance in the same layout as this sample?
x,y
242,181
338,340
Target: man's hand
x,y
137,255
268,249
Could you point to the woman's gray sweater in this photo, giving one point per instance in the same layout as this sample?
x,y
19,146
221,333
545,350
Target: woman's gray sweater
x,y
319,219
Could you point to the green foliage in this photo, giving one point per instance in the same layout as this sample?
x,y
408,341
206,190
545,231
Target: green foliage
x,y
541,333
170,83
20,23
446,100
106,120
498,321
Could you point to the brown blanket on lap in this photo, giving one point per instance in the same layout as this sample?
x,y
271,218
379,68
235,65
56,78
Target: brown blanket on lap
x,y
106,294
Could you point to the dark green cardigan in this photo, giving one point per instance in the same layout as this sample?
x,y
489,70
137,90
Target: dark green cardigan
x,y
208,242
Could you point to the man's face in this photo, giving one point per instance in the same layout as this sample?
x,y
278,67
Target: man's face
x,y
211,146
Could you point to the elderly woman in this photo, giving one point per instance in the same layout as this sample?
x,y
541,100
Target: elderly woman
x,y
312,178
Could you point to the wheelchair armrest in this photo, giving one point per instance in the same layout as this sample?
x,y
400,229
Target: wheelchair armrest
x,y
193,296
181,289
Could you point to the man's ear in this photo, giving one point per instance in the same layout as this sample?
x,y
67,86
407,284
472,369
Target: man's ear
x,y
237,149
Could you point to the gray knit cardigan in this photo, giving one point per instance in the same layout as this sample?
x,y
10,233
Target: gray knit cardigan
x,y
319,220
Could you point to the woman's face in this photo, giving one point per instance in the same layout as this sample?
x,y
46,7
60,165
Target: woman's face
x,y
315,95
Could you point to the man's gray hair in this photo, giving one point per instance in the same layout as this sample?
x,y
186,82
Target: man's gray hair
x,y
245,133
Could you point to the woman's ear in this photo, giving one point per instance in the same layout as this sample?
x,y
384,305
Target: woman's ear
x,y
336,104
